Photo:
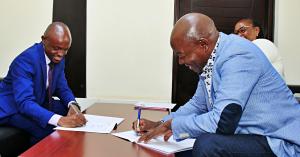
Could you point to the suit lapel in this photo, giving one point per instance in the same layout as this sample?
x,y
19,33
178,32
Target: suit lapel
x,y
42,61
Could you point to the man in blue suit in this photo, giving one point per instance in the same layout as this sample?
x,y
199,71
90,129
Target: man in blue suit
x,y
242,106
33,78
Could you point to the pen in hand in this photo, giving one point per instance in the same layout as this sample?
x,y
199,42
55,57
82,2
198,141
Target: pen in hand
x,y
74,109
138,119
78,113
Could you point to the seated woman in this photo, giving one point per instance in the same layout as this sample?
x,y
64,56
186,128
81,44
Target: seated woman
x,y
250,30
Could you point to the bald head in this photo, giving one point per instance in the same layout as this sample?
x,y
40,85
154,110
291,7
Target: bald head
x,y
58,30
56,40
194,26
193,39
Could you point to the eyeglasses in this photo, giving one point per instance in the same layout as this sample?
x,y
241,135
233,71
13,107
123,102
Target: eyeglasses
x,y
242,29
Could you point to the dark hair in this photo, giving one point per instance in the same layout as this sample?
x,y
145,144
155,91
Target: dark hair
x,y
255,23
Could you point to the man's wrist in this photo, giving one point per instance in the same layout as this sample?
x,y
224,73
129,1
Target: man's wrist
x,y
159,122
54,120
168,124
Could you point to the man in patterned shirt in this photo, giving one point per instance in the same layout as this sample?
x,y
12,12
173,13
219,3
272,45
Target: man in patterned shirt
x,y
241,107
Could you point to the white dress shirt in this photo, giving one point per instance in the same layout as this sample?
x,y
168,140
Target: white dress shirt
x,y
55,118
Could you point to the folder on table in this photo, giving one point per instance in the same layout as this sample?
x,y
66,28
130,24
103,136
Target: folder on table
x,y
158,144
154,106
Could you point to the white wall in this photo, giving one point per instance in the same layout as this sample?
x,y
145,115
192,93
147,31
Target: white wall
x,y
128,51
22,24
287,34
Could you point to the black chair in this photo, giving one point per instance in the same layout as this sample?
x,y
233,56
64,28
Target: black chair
x,y
13,141
295,89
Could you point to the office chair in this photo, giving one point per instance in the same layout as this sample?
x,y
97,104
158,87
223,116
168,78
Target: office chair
x,y
13,141
295,89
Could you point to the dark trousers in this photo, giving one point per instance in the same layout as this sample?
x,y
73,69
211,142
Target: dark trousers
x,y
246,145
32,127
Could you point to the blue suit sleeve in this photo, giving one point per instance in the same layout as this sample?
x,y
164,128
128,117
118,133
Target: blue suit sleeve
x,y
196,105
239,74
22,84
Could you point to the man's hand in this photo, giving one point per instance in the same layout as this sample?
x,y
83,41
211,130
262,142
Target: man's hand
x,y
73,109
72,121
145,125
163,129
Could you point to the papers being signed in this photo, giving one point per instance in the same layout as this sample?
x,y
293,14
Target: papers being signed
x,y
97,124
158,144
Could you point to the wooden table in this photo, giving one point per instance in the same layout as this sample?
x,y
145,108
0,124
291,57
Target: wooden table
x,y
81,144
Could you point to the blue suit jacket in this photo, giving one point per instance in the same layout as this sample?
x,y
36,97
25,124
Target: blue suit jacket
x,y
23,90
243,75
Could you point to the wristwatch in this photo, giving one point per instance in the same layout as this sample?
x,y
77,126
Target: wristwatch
x,y
76,104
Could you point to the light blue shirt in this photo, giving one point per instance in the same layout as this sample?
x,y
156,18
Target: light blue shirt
x,y
243,75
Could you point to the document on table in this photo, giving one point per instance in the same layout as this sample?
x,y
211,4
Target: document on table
x,y
158,144
97,124
151,105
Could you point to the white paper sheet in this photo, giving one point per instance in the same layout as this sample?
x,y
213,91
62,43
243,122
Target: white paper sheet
x,y
158,144
155,105
98,124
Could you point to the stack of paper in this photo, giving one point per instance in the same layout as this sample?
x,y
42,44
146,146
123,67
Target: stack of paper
x,y
158,144
154,106
98,124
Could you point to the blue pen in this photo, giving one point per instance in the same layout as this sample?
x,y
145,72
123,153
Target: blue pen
x,y
138,119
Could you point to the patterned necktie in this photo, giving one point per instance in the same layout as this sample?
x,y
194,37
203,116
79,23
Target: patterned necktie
x,y
50,74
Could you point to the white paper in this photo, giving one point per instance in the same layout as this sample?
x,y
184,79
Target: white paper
x,y
155,105
98,124
158,144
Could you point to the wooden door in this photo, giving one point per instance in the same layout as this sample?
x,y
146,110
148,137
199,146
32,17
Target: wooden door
x,y
225,14
73,13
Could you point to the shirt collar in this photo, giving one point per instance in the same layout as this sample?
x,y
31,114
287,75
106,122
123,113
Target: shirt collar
x,y
213,54
47,59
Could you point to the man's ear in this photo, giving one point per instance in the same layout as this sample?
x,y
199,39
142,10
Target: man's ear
x,y
203,43
43,39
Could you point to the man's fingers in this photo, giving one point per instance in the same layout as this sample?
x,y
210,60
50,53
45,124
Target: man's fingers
x,y
82,118
168,135
76,120
149,135
142,126
70,124
72,121
144,137
163,129
134,125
